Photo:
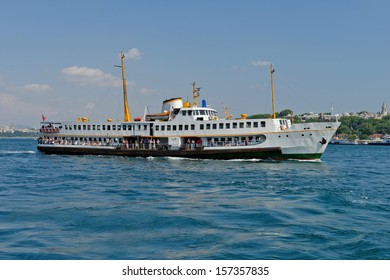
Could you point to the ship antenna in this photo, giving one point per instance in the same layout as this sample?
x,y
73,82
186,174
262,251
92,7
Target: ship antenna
x,y
126,117
196,94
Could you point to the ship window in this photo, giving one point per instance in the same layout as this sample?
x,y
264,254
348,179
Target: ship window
x,y
202,112
234,125
255,124
103,127
228,126
186,127
124,127
192,127
174,127
263,124
84,127
248,124
119,127
89,127
129,127
93,127
241,125
221,126
168,127
79,127
184,113
190,113
157,128
208,126
162,127
145,127
98,127
214,126
74,127
180,127
108,127
201,126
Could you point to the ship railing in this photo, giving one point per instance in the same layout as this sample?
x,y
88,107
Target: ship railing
x,y
49,130
51,141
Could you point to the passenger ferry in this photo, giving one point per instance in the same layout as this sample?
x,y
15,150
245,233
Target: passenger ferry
x,y
189,130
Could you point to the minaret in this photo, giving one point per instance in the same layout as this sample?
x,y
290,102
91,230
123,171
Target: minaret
x,y
384,109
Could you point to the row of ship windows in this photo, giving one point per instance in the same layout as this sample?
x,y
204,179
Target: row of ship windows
x,y
199,113
162,127
202,126
106,127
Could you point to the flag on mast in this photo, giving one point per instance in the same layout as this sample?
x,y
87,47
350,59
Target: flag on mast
x,y
43,118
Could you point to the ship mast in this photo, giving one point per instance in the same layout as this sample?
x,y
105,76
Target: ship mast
x,y
273,92
126,117
196,94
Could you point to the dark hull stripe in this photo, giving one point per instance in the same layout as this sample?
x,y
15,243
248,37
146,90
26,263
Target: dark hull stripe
x,y
263,153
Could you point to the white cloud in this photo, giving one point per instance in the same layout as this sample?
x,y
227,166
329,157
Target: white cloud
x,y
260,63
90,106
37,88
134,54
7,100
90,76
148,91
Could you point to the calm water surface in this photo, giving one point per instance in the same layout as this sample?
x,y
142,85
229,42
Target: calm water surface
x,y
103,207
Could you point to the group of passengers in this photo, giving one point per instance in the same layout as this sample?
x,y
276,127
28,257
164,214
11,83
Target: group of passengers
x,y
142,143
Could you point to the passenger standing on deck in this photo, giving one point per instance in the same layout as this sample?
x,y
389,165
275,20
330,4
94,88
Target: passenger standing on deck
x,y
152,143
199,143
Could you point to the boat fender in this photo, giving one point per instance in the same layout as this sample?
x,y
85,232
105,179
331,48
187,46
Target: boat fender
x,y
323,141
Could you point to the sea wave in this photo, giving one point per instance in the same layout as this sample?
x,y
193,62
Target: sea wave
x,y
2,152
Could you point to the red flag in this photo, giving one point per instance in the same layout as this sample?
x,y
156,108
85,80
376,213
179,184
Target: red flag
x,y
43,118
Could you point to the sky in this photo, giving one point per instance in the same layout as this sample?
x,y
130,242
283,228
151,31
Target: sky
x,y
57,57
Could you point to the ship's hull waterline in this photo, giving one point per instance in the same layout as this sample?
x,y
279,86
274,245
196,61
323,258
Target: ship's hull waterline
x,y
197,153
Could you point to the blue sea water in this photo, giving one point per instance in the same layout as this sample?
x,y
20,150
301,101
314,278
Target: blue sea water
x,y
105,207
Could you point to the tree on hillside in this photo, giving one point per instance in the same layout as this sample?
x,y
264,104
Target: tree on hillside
x,y
285,113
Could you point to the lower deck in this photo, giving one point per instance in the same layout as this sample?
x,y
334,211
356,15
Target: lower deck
x,y
197,152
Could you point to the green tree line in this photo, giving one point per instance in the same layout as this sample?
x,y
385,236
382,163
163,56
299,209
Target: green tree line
x,y
356,127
